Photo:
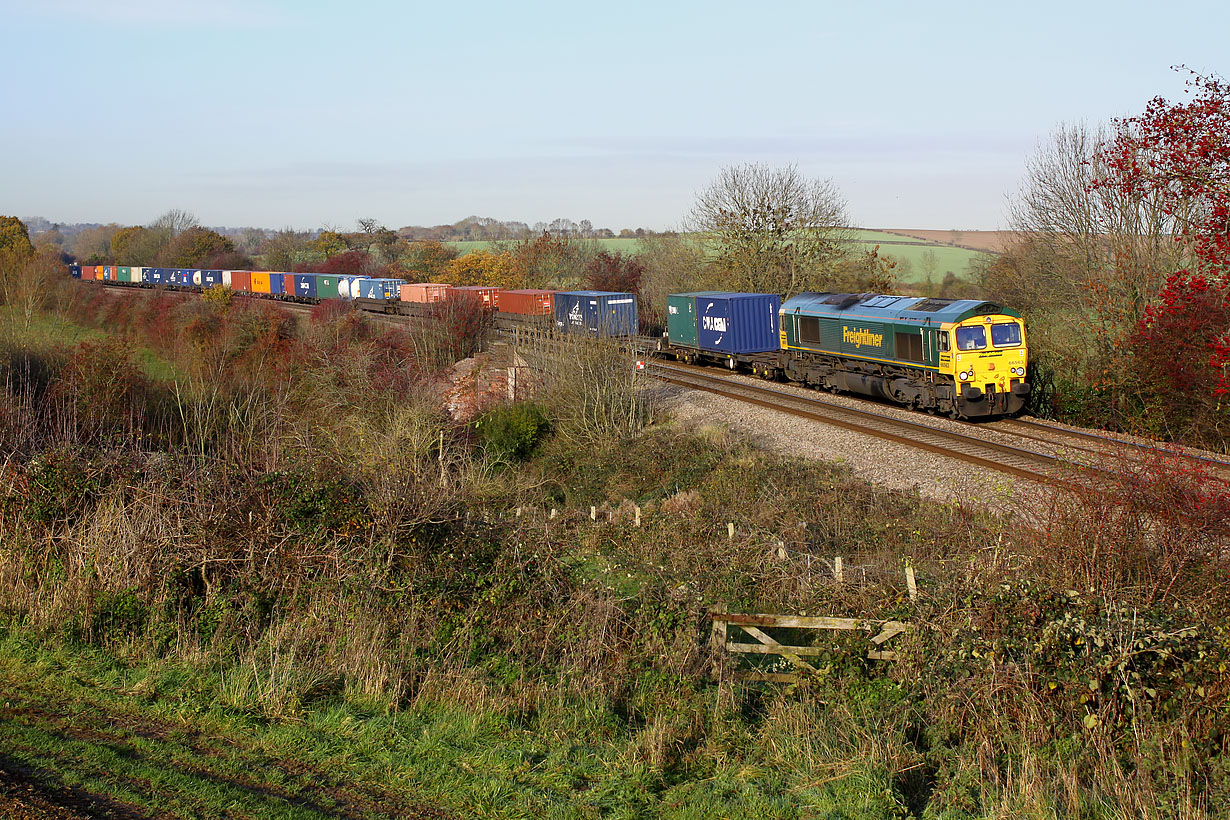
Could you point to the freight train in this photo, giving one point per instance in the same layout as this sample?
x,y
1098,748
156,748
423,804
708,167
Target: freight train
x,y
963,357
597,313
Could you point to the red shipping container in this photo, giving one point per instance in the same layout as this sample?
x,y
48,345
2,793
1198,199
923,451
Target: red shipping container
x,y
288,283
528,302
424,292
489,296
241,280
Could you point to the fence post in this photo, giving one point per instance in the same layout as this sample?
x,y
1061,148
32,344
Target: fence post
x,y
910,584
593,513
839,571
730,529
638,516
553,512
443,475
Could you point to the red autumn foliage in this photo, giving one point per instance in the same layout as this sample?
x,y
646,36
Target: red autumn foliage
x,y
1177,343
350,263
460,326
1180,153
614,272
329,310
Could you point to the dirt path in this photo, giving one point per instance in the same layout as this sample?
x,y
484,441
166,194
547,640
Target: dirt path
x,y
24,797
67,760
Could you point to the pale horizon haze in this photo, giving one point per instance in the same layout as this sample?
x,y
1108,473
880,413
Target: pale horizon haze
x,y
310,114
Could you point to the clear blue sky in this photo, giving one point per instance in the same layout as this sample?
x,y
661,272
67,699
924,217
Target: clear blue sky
x,y
311,113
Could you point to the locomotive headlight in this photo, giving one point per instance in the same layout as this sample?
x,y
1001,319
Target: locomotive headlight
x,y
964,376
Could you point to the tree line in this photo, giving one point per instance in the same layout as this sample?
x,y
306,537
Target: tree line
x,y
1121,269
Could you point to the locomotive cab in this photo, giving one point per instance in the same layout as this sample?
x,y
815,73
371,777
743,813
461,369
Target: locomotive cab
x,y
987,357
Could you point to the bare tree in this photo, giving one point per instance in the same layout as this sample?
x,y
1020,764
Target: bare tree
x,y
175,222
674,263
772,230
27,281
1103,251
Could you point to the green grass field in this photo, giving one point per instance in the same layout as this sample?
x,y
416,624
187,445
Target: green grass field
x,y
51,330
916,257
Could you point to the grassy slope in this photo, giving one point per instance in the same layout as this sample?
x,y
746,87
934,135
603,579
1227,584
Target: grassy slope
x,y
48,330
187,736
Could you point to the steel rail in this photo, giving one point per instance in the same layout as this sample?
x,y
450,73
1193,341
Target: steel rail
x,y
1013,460
1219,465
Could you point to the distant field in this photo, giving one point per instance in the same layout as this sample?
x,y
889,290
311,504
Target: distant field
x,y
910,250
990,241
612,245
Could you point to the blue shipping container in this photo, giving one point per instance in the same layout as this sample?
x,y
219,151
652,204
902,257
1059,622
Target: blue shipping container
x,y
209,278
305,285
153,276
599,312
380,288
737,323
277,284
74,271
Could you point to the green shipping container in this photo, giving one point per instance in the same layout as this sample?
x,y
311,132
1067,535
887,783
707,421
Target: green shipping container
x,y
326,287
125,274
681,319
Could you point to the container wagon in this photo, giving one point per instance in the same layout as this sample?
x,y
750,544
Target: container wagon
x,y
487,297
596,312
527,302
425,292
733,329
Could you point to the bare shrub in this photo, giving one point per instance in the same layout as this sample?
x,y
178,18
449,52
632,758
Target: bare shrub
x,y
1151,531
595,389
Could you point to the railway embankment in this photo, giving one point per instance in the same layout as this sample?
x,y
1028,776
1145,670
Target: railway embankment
x,y
285,581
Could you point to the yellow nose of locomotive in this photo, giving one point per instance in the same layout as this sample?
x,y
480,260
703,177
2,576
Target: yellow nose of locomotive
x,y
989,365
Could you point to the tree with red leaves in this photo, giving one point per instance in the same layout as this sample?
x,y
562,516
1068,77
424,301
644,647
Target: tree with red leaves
x,y
614,272
1181,152
348,263
1179,155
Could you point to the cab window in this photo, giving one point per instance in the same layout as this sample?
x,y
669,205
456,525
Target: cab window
x,y
971,338
1007,334
942,336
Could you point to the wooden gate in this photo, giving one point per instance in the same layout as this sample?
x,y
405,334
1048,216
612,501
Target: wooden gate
x,y
729,627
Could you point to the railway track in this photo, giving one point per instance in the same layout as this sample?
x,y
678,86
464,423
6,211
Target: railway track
x,y
1101,445
1017,461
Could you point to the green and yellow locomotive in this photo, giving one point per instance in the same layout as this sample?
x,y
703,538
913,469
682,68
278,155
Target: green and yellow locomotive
x,y
963,357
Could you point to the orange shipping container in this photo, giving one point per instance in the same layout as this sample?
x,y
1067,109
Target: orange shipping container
x,y
260,281
241,280
528,302
98,272
489,296
424,292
